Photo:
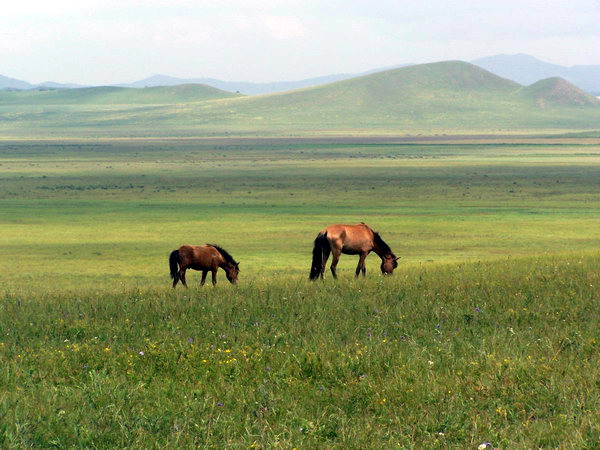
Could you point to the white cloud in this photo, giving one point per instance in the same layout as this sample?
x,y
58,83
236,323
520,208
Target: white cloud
x,y
283,27
20,8
169,31
54,8
181,31
84,40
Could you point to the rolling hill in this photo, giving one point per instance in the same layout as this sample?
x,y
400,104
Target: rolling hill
x,y
13,83
521,68
439,96
451,96
250,88
557,91
526,69
247,88
108,95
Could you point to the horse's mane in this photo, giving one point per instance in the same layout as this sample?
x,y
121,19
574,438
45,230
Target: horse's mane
x,y
382,245
225,254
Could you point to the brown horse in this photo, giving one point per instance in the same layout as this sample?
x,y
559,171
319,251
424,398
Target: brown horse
x,y
351,240
206,258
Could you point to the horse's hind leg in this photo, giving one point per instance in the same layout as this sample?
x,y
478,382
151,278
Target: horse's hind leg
x,y
203,280
182,277
326,252
175,280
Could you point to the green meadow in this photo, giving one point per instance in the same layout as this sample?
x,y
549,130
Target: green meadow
x,y
487,331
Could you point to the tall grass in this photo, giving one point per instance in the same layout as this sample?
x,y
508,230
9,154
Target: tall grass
x,y
450,355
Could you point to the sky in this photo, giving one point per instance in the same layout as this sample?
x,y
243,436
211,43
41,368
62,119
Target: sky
x,y
118,41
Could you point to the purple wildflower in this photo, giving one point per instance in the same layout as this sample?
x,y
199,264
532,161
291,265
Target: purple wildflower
x,y
219,404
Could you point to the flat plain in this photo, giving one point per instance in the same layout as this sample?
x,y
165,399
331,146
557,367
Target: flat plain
x,y
487,332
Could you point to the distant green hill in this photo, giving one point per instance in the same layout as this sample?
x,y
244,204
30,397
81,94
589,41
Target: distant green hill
x,y
110,95
440,96
451,96
557,91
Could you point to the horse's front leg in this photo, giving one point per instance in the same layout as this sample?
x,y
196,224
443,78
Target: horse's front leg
x,y
203,280
214,276
361,265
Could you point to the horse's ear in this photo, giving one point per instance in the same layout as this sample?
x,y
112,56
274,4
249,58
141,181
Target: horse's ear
x,y
237,264
396,259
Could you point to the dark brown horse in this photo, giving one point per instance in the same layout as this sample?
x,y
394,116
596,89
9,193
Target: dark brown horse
x,y
351,240
206,258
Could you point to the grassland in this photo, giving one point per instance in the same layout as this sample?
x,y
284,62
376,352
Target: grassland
x,y
487,332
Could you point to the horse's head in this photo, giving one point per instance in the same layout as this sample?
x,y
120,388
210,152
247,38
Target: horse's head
x,y
232,271
389,263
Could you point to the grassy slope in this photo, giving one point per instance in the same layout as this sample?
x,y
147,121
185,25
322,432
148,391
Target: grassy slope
x,y
437,97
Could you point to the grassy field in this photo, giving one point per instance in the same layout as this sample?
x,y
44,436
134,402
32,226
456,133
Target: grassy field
x,y
487,332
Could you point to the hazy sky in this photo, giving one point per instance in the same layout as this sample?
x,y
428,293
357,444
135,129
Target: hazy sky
x,y
111,41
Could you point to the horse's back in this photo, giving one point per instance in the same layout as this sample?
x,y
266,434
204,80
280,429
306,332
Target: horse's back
x,y
339,230
350,238
200,256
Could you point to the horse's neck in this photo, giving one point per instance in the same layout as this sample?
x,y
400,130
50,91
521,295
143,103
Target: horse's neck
x,y
379,252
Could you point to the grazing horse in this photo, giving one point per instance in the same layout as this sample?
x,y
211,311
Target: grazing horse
x,y
351,240
206,258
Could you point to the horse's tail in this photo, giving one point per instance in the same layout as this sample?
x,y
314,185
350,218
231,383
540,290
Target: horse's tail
x,y
174,264
321,244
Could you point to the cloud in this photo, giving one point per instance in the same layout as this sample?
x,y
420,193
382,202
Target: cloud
x,y
169,31
54,8
182,31
283,27
119,39
62,8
